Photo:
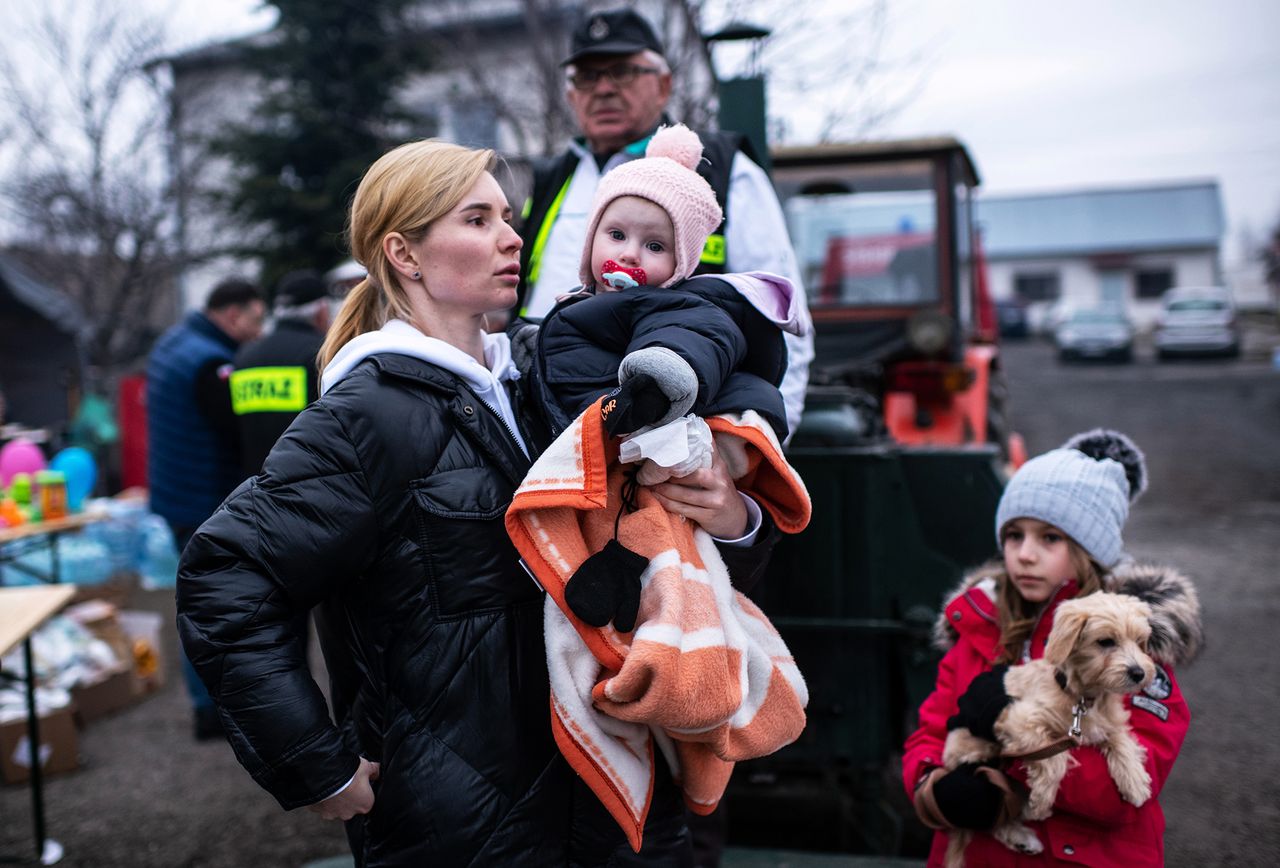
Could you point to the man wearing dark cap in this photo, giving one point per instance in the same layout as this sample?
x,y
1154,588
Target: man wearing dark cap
x,y
618,85
275,376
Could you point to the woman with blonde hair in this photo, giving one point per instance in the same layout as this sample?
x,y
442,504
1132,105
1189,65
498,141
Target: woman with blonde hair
x,y
382,506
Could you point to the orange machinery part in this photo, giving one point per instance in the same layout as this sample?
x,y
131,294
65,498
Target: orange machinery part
x,y
958,419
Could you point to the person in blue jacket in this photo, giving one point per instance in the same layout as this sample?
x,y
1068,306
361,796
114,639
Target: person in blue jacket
x,y
193,452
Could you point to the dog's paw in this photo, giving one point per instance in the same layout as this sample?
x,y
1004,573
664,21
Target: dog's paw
x,y
1019,838
963,747
1137,788
1039,803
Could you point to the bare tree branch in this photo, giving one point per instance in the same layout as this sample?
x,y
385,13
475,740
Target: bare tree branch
x,y
831,60
88,199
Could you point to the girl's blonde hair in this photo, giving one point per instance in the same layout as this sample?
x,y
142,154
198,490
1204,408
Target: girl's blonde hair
x,y
1017,617
405,190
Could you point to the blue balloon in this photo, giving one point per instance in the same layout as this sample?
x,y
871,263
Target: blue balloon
x,y
81,471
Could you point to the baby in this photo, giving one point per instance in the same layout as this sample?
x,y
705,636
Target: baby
x,y
675,344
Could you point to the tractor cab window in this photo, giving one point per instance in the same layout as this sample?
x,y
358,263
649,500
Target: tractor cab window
x,y
870,239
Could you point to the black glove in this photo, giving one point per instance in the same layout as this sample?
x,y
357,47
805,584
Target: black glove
x,y
636,403
981,704
967,798
607,587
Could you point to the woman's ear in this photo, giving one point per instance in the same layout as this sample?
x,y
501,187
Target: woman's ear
x,y
396,248
1068,623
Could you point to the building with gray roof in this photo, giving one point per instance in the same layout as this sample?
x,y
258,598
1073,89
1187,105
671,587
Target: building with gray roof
x,y
1110,246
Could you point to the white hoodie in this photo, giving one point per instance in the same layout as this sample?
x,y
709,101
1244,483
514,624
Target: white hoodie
x,y
399,337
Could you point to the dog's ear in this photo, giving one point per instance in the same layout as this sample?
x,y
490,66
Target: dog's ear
x,y
1068,623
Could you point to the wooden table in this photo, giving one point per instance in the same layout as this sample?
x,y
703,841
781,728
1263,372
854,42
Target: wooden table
x,y
22,610
75,521
47,532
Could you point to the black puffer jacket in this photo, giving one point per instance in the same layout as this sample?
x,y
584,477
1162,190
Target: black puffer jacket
x,y
738,354
383,503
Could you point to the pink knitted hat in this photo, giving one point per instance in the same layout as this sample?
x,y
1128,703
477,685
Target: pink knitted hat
x,y
665,176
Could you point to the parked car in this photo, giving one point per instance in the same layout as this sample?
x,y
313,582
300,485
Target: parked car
x,y
1095,333
1011,318
1197,321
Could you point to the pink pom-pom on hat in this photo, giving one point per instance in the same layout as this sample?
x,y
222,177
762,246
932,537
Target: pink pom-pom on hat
x,y
666,175
677,143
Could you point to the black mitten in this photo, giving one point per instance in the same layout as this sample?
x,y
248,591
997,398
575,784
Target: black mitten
x,y
607,587
636,403
981,704
968,799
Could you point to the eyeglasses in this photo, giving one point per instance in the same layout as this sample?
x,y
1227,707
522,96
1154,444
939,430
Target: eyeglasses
x,y
620,74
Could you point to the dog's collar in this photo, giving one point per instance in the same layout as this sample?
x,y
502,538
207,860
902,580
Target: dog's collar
x,y
1079,710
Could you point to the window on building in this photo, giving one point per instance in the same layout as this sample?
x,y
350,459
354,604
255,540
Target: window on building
x,y
1152,282
1040,286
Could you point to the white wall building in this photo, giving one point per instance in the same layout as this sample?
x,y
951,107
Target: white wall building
x,y
1122,246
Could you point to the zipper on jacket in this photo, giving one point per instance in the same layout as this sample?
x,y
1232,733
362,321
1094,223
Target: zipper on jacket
x,y
503,422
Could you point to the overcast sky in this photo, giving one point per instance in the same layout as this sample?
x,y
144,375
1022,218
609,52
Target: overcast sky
x,y
1052,95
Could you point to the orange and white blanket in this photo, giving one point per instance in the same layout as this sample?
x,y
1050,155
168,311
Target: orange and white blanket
x,y
704,675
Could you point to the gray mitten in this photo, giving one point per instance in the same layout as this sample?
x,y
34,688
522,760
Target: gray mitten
x,y
670,372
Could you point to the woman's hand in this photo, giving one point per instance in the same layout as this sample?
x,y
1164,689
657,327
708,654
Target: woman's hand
x,y
357,798
708,497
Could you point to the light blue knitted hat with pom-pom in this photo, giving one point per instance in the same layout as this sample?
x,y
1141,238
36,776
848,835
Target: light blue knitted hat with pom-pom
x,y
1084,488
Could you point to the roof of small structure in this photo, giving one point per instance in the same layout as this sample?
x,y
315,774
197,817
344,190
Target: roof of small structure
x,y
1171,216
39,297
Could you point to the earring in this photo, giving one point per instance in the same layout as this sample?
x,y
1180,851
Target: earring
x,y
417,275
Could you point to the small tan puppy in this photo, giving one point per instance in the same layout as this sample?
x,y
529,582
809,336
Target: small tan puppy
x,y
1096,653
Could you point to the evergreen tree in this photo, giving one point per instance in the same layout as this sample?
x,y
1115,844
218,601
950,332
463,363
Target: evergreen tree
x,y
330,69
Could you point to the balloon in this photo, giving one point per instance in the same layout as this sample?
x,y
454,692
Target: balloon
x,y
19,456
80,470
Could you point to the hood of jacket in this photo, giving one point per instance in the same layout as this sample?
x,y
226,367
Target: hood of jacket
x,y
1177,633
773,296
401,338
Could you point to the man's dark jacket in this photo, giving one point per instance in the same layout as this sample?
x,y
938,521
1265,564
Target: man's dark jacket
x,y
737,354
292,345
383,504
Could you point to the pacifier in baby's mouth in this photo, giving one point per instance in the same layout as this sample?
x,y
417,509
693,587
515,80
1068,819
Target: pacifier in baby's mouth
x,y
621,277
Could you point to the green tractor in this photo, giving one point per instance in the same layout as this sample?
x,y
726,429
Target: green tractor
x,y
904,448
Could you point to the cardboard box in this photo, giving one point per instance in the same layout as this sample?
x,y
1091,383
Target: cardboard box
x,y
135,638
59,748
107,695
116,590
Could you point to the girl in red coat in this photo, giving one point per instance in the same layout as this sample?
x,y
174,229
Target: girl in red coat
x,y
1059,527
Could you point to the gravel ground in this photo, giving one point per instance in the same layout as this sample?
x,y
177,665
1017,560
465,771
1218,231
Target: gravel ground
x,y
149,795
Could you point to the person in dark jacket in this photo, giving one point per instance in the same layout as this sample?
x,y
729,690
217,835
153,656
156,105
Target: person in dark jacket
x,y
276,375
383,505
193,452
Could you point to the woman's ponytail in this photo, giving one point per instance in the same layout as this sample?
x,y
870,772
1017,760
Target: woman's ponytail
x,y
363,310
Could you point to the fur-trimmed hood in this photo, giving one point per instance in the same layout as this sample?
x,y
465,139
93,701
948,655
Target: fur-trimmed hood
x,y
1176,631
